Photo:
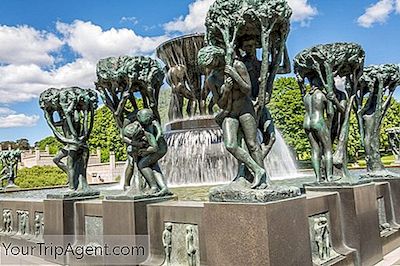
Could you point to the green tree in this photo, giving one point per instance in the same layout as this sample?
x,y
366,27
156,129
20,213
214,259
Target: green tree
x,y
105,135
287,110
52,142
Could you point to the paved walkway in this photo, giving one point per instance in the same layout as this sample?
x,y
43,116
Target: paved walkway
x,y
391,259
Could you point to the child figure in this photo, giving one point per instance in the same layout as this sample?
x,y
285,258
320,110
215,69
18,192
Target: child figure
x,y
148,146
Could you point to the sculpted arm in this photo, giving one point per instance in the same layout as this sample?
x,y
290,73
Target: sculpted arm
x,y
57,133
153,146
240,74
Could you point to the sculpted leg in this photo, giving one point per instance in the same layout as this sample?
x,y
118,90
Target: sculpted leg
x,y
249,128
327,150
57,160
230,127
145,167
315,154
129,172
159,178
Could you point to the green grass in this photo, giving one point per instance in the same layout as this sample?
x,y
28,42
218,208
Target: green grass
x,y
386,160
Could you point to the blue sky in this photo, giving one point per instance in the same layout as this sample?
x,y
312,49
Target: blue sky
x,y
57,43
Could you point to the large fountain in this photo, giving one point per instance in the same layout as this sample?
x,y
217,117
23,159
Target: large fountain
x,y
196,154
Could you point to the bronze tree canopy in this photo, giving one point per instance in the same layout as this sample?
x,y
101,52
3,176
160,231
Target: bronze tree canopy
x,y
320,65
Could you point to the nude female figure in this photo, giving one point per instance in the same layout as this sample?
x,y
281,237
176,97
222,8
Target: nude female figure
x,y
316,124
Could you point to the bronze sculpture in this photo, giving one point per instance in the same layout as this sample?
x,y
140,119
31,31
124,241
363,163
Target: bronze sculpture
x,y
233,87
9,161
118,79
377,86
74,108
328,108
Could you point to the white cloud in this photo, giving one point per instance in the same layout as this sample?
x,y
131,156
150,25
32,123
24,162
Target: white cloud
x,y
398,6
93,43
26,79
6,111
19,83
378,12
18,120
132,20
194,20
302,11
23,44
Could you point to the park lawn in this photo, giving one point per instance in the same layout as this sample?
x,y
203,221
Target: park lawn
x,y
386,160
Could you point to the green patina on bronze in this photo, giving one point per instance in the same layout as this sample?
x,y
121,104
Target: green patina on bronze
x,y
328,108
9,162
377,86
69,112
241,86
118,79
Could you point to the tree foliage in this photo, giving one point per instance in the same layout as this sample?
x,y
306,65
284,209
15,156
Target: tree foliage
x,y
287,110
105,135
52,142
22,144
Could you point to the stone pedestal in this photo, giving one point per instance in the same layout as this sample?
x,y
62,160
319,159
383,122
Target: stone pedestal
x,y
274,233
328,203
395,194
59,218
360,220
127,217
180,214
389,227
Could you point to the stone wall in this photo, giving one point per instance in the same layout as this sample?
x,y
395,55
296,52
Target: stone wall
x,y
97,171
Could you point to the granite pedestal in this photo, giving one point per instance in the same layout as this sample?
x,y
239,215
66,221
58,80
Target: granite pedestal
x,y
59,217
360,219
274,233
319,203
389,227
180,214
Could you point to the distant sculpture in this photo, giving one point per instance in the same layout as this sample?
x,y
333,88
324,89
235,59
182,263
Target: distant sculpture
x,y
7,221
9,160
377,86
180,90
394,142
191,249
23,222
322,238
38,225
147,145
184,76
167,242
75,111
118,78
328,108
317,104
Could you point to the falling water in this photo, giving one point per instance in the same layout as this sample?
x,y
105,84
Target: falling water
x,y
280,163
199,157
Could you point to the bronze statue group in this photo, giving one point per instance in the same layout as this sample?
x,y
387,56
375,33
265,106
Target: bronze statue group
x,y
241,85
